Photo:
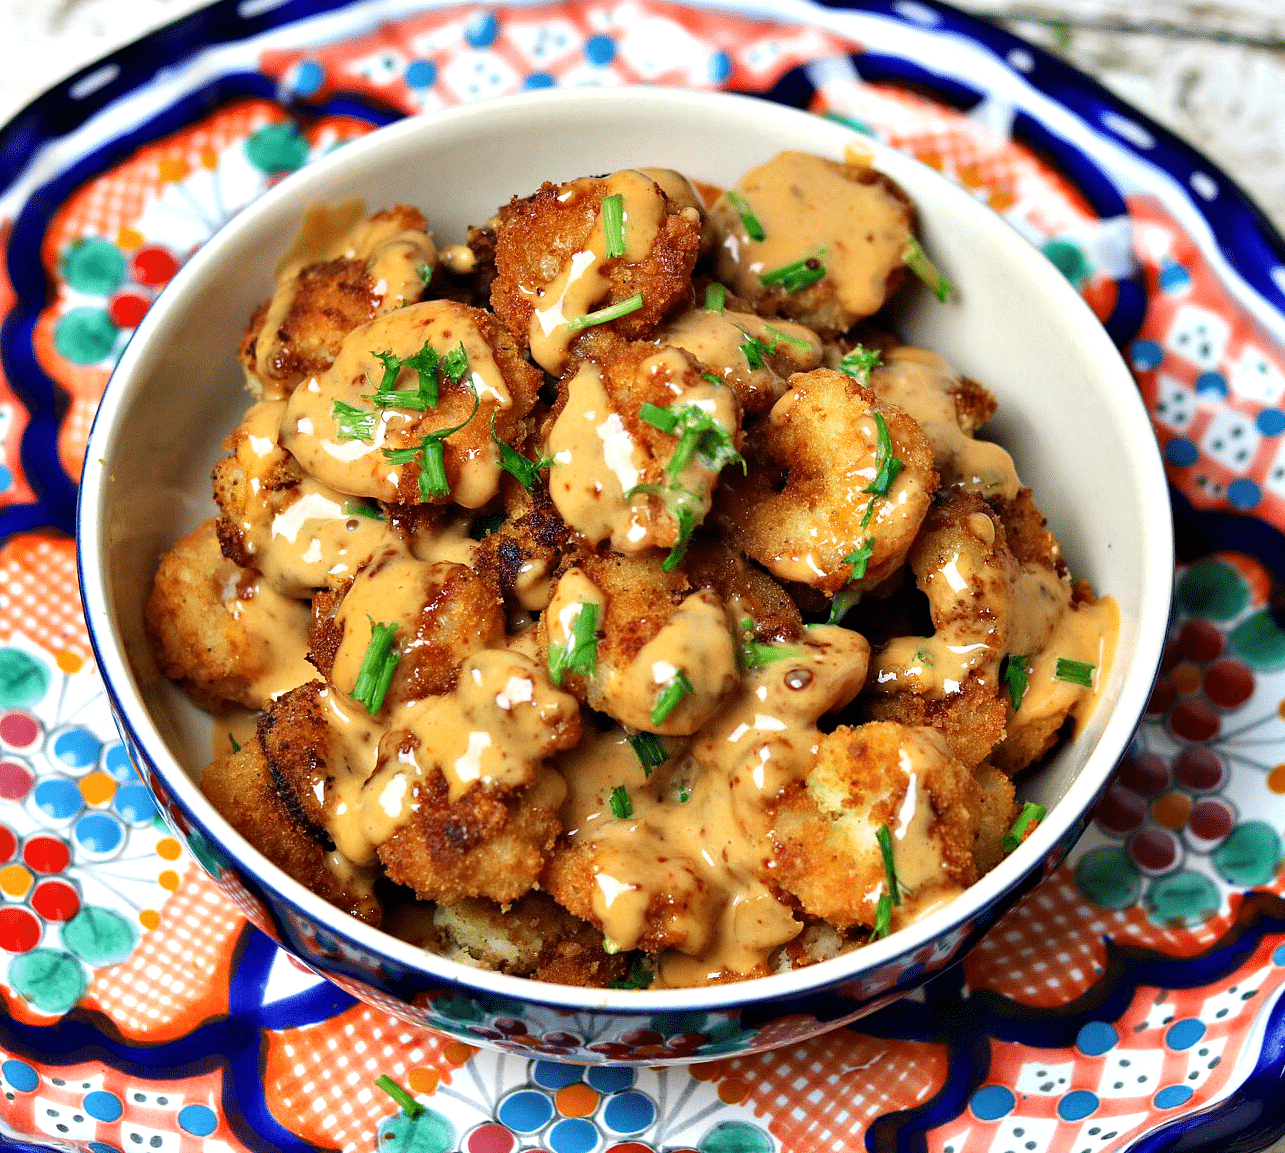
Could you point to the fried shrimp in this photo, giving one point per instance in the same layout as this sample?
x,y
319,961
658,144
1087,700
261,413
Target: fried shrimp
x,y
951,680
848,483
565,263
341,272
872,777
413,407
221,630
817,240
638,438
664,657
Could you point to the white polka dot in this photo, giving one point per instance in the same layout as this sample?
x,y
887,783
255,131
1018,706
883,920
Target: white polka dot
x,y
1127,129
1021,59
1205,185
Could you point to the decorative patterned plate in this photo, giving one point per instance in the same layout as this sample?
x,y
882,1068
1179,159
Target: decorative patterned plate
x,y
1133,1001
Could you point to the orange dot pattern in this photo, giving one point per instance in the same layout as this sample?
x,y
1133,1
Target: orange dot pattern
x,y
39,597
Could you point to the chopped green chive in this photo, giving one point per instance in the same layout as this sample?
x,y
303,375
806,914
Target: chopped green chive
x,y
580,652
1030,816
431,457
741,206
683,792
1074,672
649,749
484,525
712,378
425,273
525,472
361,508
1014,671
611,946
662,418
887,465
778,335
236,745
604,315
754,350
797,275
859,558
699,435
621,805
715,296
613,223
410,1106
884,837
676,688
860,363
353,423
883,917
686,526
844,599
429,368
754,654
455,362
377,667
639,976
870,511
916,259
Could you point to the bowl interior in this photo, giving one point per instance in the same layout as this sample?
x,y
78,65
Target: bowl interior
x,y
1068,409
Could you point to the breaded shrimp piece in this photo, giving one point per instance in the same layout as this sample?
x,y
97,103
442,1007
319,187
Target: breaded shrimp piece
x,y
824,834
950,409
951,680
535,937
997,812
661,657
240,786
301,534
350,432
637,441
849,226
838,513
553,262
442,613
520,557
221,631
749,354
746,590
461,803
329,284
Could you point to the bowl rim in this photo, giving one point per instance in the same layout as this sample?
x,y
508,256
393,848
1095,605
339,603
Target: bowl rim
x,y
1044,847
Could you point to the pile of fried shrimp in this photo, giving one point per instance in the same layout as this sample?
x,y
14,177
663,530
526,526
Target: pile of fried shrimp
x,y
611,598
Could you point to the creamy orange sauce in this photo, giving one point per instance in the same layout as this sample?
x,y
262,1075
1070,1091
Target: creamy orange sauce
x,y
278,629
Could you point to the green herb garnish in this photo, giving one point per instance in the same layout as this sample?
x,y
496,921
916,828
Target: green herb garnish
x,y
715,296
1030,816
639,976
236,745
613,223
353,423
870,511
377,667
683,792
431,457
1014,671
916,259
604,315
844,599
361,508
1074,672
741,206
410,1106
425,273
884,837
859,558
860,363
797,275
675,689
484,525
580,652
754,654
778,335
649,749
887,466
883,917
713,378
621,805
525,472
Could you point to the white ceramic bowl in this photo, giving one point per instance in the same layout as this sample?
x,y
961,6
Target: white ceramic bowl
x,y
1068,411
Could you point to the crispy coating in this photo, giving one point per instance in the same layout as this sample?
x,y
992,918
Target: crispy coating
x,y
848,219
998,810
827,854
520,556
746,589
240,786
295,740
822,440
205,615
534,937
370,270
537,237
951,680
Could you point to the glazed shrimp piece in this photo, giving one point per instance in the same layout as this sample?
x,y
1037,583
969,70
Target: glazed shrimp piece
x,y
341,271
301,534
660,657
951,680
749,354
638,438
223,631
561,257
405,413
853,480
877,775
819,241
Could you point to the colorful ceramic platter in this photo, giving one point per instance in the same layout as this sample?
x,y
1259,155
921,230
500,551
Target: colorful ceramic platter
x,y
1131,1001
